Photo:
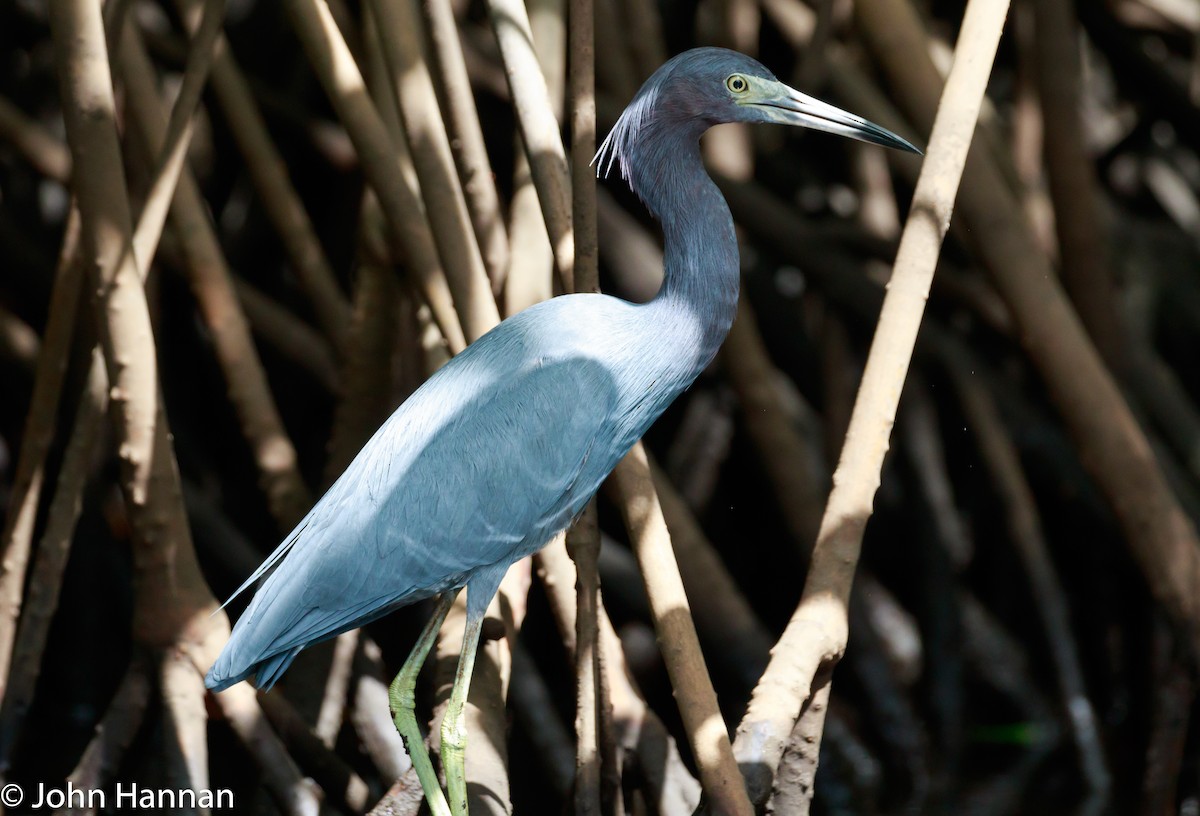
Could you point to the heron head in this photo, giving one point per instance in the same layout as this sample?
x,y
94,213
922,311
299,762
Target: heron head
x,y
726,86
709,86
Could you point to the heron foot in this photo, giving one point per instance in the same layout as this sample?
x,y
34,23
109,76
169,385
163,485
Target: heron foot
x,y
454,726
402,702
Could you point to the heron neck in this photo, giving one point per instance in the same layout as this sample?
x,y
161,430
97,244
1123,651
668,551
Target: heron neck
x,y
698,298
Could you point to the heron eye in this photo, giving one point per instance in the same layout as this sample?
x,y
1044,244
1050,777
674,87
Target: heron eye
x,y
737,83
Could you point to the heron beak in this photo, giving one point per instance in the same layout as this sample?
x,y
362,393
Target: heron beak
x,y
788,106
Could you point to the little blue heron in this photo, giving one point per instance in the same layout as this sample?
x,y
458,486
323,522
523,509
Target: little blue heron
x,y
501,448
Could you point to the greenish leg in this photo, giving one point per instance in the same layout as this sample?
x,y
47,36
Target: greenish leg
x,y
403,702
454,727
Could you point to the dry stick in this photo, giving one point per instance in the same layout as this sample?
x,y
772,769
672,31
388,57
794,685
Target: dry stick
x,y
670,785
185,721
677,639
366,399
290,336
19,343
45,580
332,711
583,545
466,141
171,597
364,404
1174,696
36,437
1112,446
211,281
815,65
725,619
1082,227
239,705
116,730
173,607
124,321
583,539
816,635
614,68
797,775
539,130
799,489
1028,129
1074,188
1003,461
48,155
335,67
398,25
173,144
380,740
280,200
531,276
548,24
345,788
531,271
644,29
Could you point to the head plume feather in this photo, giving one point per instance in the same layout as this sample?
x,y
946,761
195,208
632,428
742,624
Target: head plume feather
x,y
617,145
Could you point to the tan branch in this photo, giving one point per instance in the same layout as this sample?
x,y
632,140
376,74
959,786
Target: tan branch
x,y
466,132
37,435
723,783
212,284
401,204
399,28
282,204
1112,447
816,634
539,130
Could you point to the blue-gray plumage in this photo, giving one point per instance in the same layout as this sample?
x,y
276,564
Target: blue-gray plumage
x,y
503,446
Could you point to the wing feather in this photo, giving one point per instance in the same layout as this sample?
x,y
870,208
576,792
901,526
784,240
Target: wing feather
x,y
473,470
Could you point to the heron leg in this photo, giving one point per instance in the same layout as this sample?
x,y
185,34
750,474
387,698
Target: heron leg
x,y
403,703
480,591
454,727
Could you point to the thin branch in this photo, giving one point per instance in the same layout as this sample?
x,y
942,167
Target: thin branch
x,y
583,539
532,265
816,634
669,784
117,729
211,281
1025,529
186,721
335,67
539,130
45,580
535,711
1113,448
723,783
37,435
337,779
466,141
48,155
173,141
800,488
291,791
282,204
399,28
291,337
